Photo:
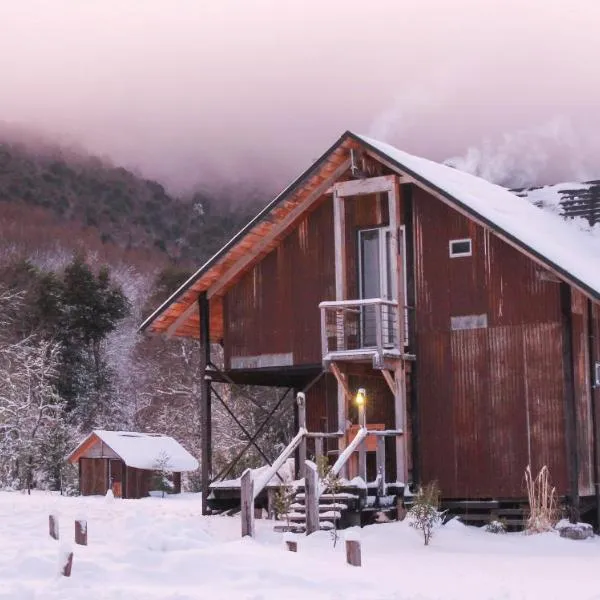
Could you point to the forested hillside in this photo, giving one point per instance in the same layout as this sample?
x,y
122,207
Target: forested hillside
x,y
86,250
120,207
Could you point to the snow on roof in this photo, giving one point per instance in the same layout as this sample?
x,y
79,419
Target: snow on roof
x,y
564,246
145,450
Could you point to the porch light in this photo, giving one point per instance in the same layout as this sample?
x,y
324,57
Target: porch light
x,y
361,397
361,400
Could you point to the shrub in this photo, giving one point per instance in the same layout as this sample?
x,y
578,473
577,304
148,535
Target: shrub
x,y
542,501
424,514
495,526
283,500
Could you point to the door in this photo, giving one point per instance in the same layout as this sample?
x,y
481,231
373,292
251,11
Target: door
x,y
376,280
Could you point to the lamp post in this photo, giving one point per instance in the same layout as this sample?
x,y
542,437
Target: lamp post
x,y
361,400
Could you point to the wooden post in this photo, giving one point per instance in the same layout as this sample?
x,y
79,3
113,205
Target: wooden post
x,y
247,503
380,460
205,402
67,563
353,553
311,497
53,526
291,545
301,401
318,448
81,532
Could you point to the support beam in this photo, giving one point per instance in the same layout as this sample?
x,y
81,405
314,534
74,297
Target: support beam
x,y
389,380
205,402
234,462
342,382
277,230
369,185
400,422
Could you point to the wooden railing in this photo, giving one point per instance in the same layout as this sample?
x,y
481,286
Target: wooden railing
x,y
350,326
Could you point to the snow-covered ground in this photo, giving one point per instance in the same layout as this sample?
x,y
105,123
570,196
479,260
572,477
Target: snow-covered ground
x,y
164,549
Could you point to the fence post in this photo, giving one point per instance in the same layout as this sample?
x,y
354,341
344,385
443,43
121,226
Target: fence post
x,y
311,497
301,401
247,503
81,532
353,553
66,562
53,526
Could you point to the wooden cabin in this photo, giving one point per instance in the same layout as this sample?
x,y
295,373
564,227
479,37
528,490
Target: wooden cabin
x,y
470,317
127,463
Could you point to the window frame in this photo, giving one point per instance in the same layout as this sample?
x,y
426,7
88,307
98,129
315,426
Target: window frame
x,y
454,254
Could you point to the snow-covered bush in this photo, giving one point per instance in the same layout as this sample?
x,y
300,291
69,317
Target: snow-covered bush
x,y
424,514
495,526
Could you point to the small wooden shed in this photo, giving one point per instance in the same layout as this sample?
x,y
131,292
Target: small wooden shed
x,y
127,462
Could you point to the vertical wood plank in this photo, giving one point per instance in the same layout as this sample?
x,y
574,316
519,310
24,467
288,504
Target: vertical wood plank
x,y
81,532
353,553
311,499
53,526
247,503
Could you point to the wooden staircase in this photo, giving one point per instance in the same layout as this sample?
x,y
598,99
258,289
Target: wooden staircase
x,y
335,510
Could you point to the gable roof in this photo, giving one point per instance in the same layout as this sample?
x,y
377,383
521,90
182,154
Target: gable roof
x,y
141,450
545,237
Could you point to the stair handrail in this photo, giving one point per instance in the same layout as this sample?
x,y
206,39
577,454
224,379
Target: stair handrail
x,y
344,457
261,482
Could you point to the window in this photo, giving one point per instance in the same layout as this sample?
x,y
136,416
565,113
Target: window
x,y
597,373
460,248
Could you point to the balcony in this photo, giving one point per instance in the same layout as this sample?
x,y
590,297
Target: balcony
x,y
360,330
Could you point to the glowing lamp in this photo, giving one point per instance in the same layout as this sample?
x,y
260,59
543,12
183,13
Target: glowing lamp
x,y
361,397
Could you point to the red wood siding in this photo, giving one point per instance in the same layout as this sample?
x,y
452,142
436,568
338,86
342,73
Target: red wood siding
x,y
491,400
93,478
274,309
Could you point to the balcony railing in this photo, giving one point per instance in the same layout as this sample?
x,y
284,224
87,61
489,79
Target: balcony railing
x,y
353,328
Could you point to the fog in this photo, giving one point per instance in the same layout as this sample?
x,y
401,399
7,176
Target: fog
x,y
254,90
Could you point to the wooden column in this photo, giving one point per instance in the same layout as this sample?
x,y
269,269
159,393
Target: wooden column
x,y
311,497
569,397
301,403
247,503
592,358
339,234
205,401
399,373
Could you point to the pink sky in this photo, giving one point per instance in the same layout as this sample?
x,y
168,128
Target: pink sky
x,y
187,90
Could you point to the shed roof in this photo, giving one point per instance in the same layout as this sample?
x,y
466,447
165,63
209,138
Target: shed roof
x,y
547,238
141,450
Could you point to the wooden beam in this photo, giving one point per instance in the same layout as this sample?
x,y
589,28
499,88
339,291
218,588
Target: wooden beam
x,y
341,379
182,318
278,229
389,380
370,185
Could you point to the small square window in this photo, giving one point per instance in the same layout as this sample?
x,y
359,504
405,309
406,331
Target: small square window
x,y
460,248
597,374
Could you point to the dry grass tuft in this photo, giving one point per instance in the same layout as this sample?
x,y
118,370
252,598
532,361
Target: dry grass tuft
x,y
543,513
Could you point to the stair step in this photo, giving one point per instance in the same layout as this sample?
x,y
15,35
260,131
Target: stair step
x,y
332,514
297,507
340,496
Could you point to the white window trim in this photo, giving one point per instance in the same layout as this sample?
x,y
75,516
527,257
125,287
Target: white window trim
x,y
459,254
